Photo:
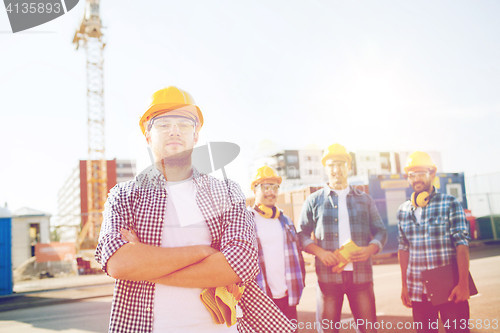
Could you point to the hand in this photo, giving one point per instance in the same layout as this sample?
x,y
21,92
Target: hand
x,y
235,290
405,297
129,235
460,293
328,258
337,269
364,253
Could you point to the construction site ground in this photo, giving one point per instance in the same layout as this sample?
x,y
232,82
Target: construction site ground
x,y
62,289
42,292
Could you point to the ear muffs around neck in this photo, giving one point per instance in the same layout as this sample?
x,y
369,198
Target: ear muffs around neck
x,y
420,199
267,212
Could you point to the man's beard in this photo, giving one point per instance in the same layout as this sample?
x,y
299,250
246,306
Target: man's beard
x,y
423,187
182,158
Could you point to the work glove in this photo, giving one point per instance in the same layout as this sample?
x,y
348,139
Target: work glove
x,y
221,303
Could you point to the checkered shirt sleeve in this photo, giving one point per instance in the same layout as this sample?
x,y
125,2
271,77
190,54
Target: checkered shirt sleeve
x,y
294,262
224,207
319,223
433,242
117,215
262,267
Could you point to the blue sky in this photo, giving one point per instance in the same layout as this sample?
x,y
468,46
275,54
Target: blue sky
x,y
384,75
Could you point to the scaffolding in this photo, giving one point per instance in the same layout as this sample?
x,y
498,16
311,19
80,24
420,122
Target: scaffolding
x,y
89,36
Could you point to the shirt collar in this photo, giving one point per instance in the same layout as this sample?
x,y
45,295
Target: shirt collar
x,y
328,190
151,176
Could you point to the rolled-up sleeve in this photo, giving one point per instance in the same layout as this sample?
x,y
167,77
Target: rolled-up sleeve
x,y
307,224
238,241
377,228
459,226
403,243
114,219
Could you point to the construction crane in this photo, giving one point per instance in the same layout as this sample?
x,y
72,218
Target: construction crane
x,y
89,35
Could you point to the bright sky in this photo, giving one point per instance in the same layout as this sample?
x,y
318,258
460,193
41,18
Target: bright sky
x,y
371,75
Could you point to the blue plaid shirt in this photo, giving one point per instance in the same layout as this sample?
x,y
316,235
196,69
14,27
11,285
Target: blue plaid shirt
x,y
294,262
431,243
320,215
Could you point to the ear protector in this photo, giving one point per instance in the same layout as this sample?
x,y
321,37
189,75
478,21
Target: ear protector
x,y
267,212
420,199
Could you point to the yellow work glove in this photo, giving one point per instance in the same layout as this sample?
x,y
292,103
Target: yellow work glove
x,y
207,297
221,303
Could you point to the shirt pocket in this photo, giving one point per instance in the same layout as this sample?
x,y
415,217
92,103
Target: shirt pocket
x,y
438,227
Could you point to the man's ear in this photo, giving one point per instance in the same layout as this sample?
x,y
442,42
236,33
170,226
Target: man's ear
x,y
148,137
196,138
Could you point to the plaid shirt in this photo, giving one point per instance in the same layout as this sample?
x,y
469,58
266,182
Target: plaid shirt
x,y
140,205
431,243
294,262
320,215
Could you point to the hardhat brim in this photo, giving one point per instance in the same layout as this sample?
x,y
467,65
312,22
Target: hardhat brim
x,y
260,180
157,109
345,157
432,168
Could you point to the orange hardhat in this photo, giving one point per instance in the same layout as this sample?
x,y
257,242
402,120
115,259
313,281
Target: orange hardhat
x,y
172,99
336,151
265,173
419,159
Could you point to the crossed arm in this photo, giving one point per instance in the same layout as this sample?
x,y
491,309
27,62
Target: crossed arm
x,y
191,266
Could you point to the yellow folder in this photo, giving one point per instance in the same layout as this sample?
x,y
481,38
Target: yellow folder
x,y
344,254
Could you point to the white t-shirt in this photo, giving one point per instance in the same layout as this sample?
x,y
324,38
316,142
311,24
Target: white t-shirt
x,y
344,224
270,235
179,309
418,214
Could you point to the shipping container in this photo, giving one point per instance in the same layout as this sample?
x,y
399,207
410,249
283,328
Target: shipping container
x,y
390,191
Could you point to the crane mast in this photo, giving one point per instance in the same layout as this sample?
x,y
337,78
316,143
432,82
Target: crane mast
x,y
89,36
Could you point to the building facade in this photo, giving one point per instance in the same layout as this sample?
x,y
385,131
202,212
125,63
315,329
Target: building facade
x,y
303,167
72,197
374,163
298,168
29,227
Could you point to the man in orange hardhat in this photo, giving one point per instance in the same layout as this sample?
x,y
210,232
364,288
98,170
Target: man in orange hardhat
x,y
282,269
433,232
173,232
337,214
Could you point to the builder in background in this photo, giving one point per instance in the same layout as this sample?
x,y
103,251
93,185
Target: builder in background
x,y
189,231
282,270
335,214
433,232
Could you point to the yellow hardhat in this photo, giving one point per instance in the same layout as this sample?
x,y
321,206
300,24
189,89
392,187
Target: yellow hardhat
x,y
264,173
170,99
419,159
336,150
